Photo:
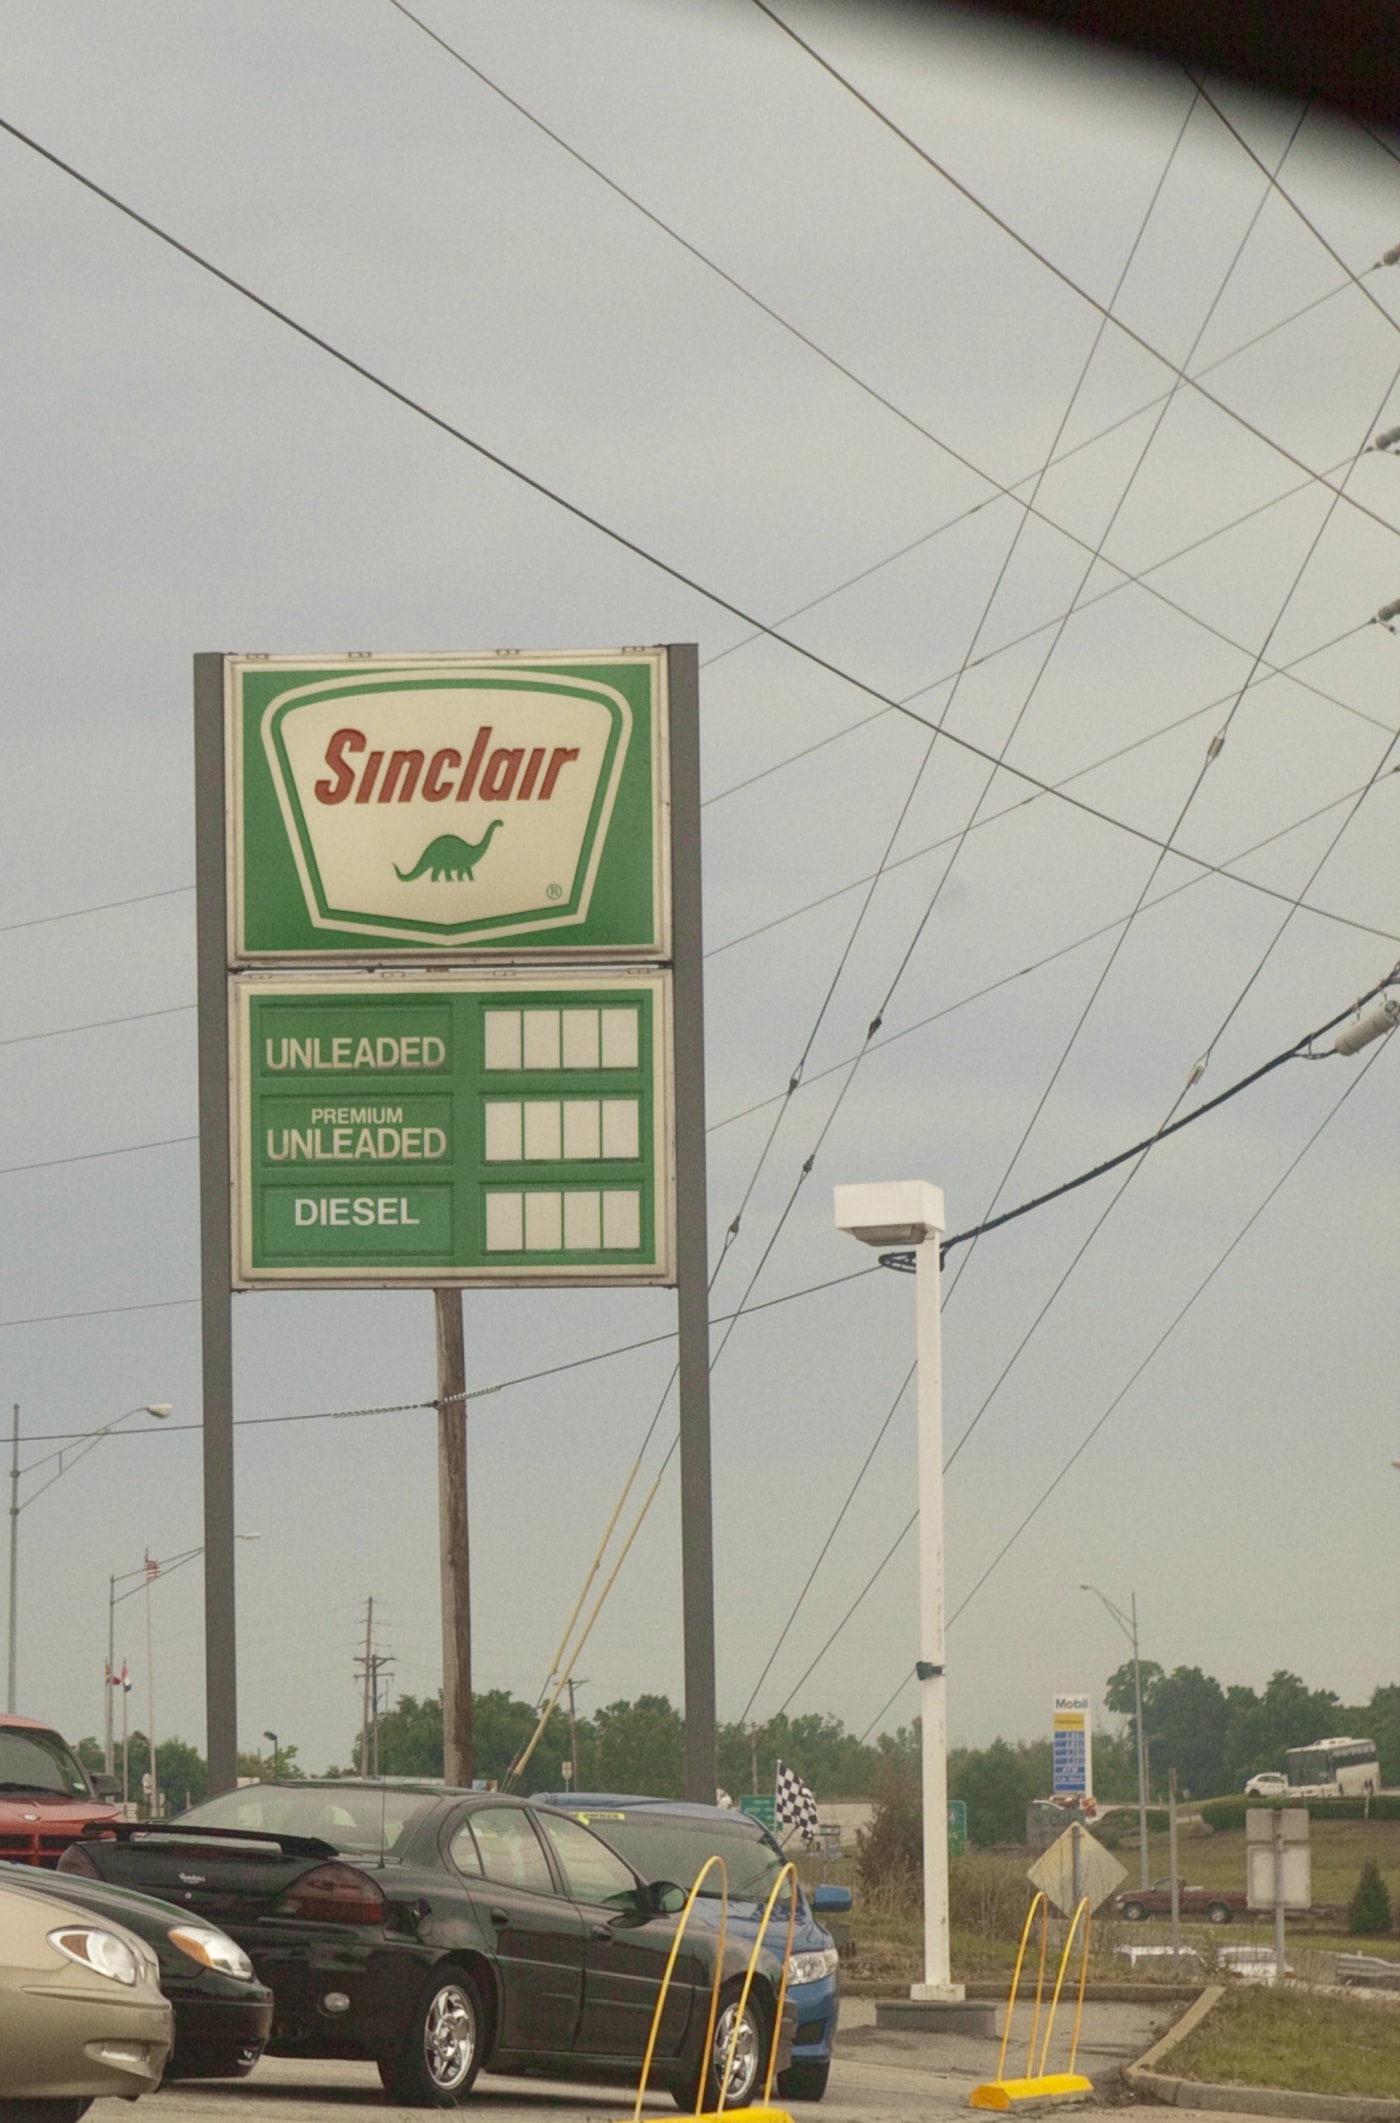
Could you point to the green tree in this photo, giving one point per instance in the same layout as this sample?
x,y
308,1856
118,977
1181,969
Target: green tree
x,y
640,1747
1186,1726
828,1758
890,1852
410,1740
1368,1912
996,1784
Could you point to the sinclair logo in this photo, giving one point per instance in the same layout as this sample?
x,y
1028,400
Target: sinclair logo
x,y
446,808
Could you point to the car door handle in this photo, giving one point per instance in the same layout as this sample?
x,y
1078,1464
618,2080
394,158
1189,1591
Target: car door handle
x,y
602,1931
500,1918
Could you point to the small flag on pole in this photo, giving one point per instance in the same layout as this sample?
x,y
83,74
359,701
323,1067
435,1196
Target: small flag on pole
x,y
152,1568
124,1678
797,1807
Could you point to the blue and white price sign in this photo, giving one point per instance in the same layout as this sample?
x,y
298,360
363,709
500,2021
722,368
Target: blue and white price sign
x,y
1071,1759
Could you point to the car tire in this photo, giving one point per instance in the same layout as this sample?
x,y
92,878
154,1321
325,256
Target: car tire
x,y
440,2054
1217,1912
1134,1913
750,2056
805,2081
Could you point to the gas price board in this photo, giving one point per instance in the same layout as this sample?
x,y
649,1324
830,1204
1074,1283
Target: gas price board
x,y
413,1128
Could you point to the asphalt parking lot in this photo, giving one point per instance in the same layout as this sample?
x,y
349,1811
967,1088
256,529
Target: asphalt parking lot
x,y
876,2078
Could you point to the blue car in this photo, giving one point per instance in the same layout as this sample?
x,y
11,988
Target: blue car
x,y
668,1839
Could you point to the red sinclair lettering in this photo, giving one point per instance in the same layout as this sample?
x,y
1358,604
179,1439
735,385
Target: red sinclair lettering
x,y
478,753
404,777
438,791
407,764
343,741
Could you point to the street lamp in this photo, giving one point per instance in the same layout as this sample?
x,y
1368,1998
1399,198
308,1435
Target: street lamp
x,y
910,1213
276,1758
67,1459
1128,1624
147,1572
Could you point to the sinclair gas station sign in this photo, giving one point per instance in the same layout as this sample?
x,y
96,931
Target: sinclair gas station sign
x,y
448,900
389,808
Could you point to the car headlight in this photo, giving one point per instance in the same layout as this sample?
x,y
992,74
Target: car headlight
x,y
811,1967
212,1949
102,1951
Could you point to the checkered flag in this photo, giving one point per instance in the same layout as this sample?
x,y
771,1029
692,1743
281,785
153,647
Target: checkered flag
x,y
797,1808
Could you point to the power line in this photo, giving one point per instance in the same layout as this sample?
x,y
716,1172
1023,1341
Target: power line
x,y
631,545
84,1157
1114,1404
105,906
1057,272
1138,1152
97,1024
822,353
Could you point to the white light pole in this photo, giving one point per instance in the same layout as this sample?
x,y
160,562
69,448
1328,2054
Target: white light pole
x,y
1129,1629
910,1213
67,1458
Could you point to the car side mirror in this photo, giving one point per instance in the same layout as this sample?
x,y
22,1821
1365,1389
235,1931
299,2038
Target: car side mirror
x,y
831,1901
106,1787
665,1898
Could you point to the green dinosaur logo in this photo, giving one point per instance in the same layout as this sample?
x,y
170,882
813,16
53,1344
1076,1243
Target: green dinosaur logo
x,y
449,857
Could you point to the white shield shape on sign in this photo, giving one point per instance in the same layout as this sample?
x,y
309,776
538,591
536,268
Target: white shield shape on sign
x,y
439,809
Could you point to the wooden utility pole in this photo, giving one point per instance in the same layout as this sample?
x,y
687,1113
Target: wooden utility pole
x,y
452,1535
364,1697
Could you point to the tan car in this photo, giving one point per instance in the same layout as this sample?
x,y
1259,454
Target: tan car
x,y
81,2013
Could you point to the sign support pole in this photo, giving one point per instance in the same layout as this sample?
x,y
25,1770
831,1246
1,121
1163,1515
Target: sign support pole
x,y
692,1230
452,1536
215,1248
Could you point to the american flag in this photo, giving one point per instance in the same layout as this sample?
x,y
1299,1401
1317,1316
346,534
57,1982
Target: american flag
x,y
152,1568
797,1807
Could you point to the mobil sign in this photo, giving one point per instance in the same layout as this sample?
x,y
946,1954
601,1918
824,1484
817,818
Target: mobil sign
x,y
513,805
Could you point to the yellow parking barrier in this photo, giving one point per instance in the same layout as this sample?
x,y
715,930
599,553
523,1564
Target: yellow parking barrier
x,y
1038,2084
760,2112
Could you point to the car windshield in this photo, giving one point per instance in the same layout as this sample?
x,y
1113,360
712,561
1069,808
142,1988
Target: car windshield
x,y
39,1762
671,1847
347,1815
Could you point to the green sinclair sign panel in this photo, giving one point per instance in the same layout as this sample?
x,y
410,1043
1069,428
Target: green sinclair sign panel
x,y
454,806
442,1126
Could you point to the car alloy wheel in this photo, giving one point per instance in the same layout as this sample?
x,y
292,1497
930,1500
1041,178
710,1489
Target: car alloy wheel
x,y
441,2050
750,2054
449,2037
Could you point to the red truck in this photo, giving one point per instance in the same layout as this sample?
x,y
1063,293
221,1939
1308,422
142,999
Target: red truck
x,y
47,1798
1216,1904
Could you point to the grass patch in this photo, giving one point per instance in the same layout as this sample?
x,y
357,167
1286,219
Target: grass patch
x,y
1339,1850
1316,2045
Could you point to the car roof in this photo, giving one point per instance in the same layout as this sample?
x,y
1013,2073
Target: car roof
x,y
10,1720
639,1808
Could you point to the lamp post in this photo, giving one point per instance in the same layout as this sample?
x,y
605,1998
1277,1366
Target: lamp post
x,y
910,1213
1128,1624
67,1459
147,1572
276,1757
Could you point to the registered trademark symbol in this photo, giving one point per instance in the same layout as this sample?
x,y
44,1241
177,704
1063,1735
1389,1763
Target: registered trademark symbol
x,y
554,891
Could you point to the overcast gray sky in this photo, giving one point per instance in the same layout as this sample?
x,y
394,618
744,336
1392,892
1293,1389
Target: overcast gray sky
x,y
182,472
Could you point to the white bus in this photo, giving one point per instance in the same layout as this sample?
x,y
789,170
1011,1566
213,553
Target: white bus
x,y
1333,1769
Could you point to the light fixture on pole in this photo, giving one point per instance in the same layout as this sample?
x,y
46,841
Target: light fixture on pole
x,y
276,1756
1128,1625
910,1213
67,1458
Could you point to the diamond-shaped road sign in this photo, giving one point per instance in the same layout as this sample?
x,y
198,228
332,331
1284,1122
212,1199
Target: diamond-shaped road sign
x,y
1054,1871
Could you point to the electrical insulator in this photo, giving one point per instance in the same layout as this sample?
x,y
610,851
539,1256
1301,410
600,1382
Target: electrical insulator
x,y
1382,1017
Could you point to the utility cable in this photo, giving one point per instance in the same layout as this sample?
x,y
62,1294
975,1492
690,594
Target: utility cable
x,y
1135,1156
1113,1405
1212,752
620,538
1057,272
97,1024
105,906
1358,280
867,901
1037,965
787,325
1082,585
